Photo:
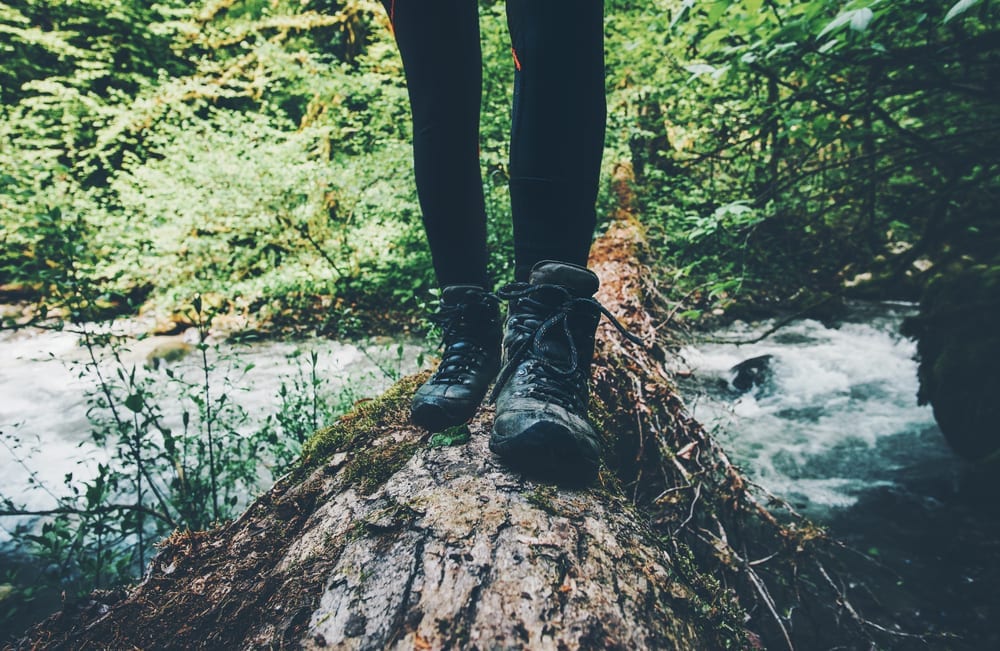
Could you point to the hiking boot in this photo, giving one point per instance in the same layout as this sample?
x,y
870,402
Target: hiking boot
x,y
469,318
542,393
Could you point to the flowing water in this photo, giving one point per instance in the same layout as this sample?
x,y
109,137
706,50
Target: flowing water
x,y
832,425
834,414
45,432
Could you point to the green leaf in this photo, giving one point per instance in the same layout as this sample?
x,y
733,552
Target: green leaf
x,y
861,19
857,18
697,69
685,6
826,47
960,8
717,10
134,402
452,436
835,24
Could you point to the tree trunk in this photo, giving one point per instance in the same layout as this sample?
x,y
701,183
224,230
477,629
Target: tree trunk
x,y
378,540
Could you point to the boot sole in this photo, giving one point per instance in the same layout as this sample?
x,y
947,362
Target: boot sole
x,y
436,418
550,451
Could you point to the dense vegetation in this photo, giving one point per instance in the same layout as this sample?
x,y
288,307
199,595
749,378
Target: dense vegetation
x,y
255,153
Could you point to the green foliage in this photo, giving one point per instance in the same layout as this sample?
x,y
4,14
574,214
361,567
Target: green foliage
x,y
302,410
255,156
498,79
835,123
259,151
95,46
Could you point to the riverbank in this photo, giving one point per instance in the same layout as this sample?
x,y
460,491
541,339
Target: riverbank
x,y
67,459
48,383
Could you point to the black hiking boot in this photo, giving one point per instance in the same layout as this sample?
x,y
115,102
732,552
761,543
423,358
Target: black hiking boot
x,y
542,393
469,318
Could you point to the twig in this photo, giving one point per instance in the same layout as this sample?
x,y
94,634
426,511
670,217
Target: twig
x,y
680,304
843,600
769,602
694,502
19,460
770,331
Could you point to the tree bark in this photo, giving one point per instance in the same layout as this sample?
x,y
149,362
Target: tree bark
x,y
378,540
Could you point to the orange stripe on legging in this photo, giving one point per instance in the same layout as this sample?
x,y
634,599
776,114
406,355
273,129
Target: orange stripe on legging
x,y
517,62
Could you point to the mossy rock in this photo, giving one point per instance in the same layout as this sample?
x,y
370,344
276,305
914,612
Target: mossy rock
x,y
958,342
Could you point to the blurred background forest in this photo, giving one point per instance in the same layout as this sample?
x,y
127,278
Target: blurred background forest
x,y
255,154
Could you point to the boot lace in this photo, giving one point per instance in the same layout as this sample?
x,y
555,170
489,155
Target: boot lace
x,y
462,354
543,378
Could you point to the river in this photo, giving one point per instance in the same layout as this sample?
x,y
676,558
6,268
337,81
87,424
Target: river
x,y
833,426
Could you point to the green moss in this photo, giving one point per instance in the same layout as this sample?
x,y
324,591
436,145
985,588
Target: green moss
x,y
600,417
354,432
361,425
717,609
542,496
370,468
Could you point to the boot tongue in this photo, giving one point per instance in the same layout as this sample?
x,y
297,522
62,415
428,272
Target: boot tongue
x,y
461,294
580,281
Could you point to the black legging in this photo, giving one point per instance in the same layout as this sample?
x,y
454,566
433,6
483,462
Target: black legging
x,y
557,131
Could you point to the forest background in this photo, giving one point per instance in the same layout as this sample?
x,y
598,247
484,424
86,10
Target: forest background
x,y
251,159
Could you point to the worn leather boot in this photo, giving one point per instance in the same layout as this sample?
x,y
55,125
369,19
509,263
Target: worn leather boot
x,y
470,323
542,393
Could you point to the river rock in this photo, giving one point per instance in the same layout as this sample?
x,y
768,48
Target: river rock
x,y
958,344
753,372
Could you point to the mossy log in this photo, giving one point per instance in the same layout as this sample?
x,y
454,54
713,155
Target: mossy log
x,y
380,540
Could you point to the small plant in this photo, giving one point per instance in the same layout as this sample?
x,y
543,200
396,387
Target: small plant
x,y
306,403
176,456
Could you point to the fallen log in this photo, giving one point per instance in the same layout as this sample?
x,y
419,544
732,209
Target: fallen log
x,y
379,540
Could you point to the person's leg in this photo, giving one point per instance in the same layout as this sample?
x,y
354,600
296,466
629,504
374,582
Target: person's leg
x,y
557,130
557,140
439,44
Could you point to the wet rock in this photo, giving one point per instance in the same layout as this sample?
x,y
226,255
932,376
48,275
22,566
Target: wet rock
x,y
958,346
753,372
